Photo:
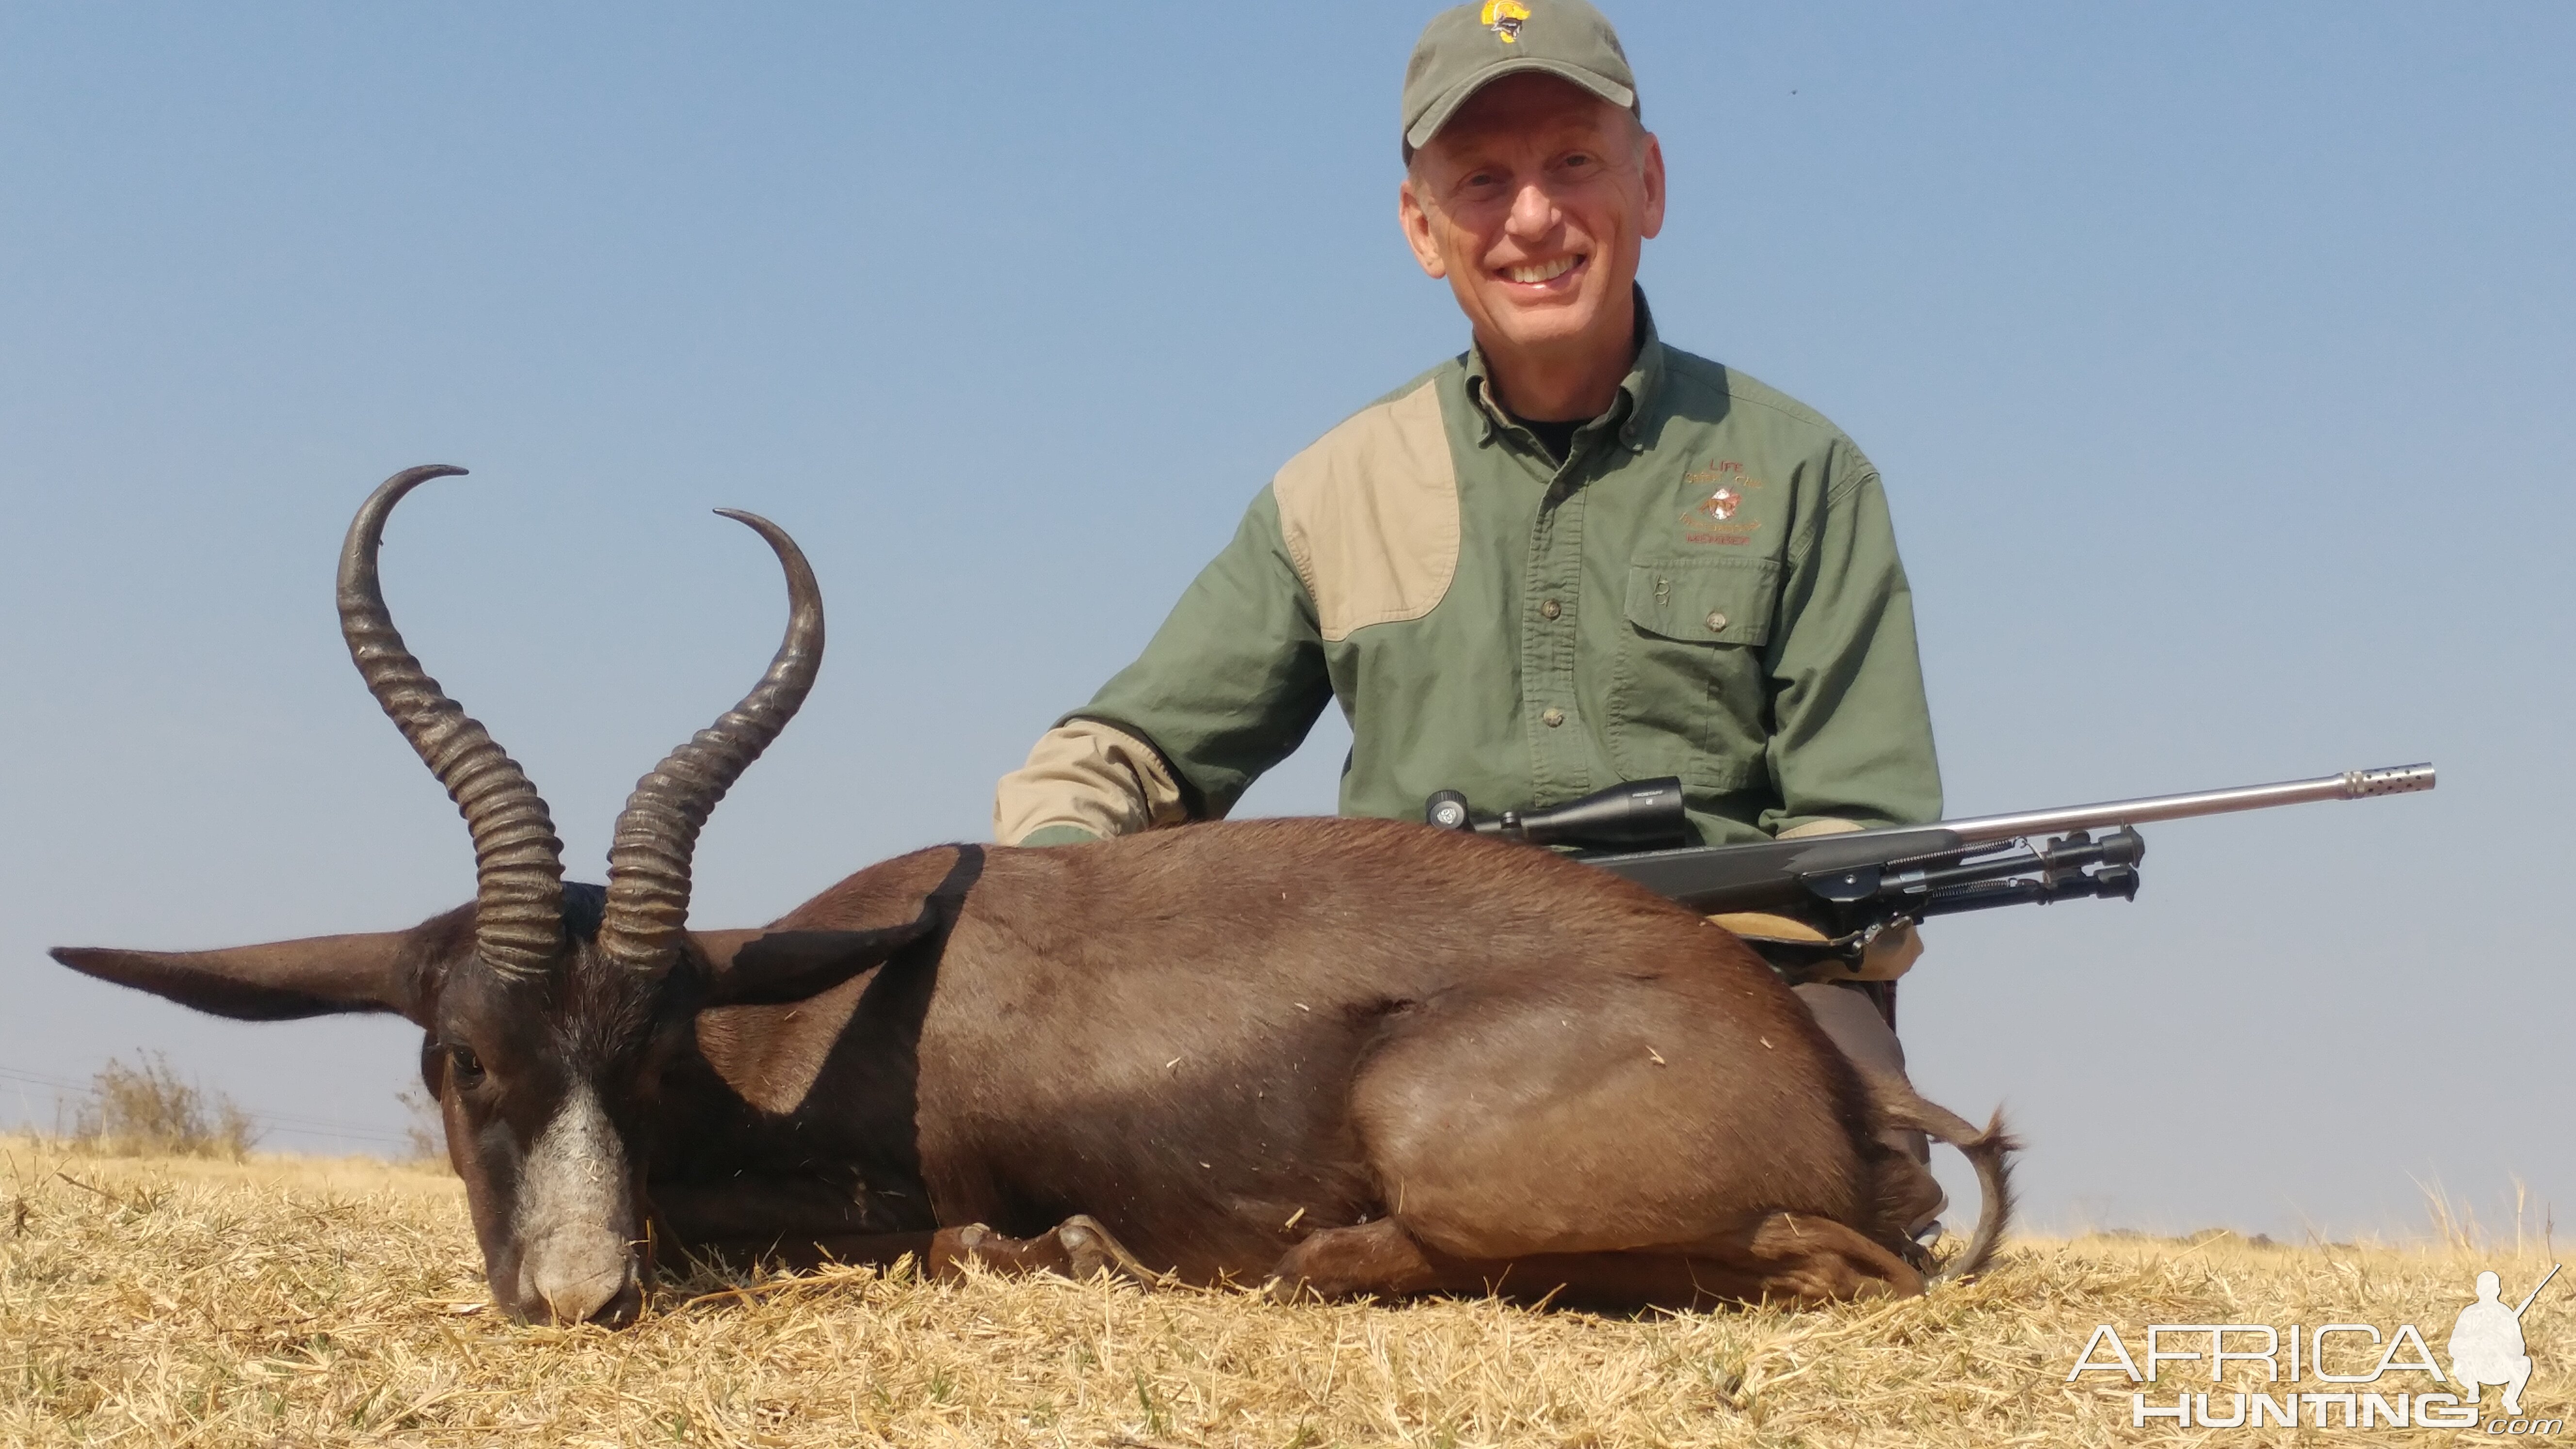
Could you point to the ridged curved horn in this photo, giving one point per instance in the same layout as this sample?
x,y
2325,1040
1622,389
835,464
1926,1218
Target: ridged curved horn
x,y
518,862
657,832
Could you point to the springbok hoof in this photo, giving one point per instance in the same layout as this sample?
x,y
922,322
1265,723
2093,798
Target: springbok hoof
x,y
951,1249
1090,1250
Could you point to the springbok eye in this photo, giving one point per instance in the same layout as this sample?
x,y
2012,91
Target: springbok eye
x,y
469,1067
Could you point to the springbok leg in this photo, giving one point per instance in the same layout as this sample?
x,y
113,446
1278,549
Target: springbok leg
x,y
1802,1258
1079,1248
1787,1257
1379,1257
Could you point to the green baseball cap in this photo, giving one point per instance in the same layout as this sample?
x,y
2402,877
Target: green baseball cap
x,y
1468,47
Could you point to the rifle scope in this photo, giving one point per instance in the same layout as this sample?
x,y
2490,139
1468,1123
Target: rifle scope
x,y
1638,814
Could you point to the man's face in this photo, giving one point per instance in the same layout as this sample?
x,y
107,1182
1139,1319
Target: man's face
x,y
1534,202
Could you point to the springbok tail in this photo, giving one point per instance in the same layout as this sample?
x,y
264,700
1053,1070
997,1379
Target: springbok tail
x,y
1989,1152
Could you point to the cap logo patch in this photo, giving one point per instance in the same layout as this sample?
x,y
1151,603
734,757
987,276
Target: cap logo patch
x,y
1504,18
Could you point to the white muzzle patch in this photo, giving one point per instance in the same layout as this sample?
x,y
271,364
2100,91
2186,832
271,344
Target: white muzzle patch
x,y
577,1242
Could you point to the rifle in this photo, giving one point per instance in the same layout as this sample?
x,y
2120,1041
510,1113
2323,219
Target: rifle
x,y
1862,881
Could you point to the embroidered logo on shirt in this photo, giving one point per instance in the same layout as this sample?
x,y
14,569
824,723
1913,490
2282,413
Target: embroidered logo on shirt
x,y
1504,18
1712,519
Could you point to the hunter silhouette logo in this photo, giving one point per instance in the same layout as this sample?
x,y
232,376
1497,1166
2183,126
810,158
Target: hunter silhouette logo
x,y
2404,1386
1504,18
2486,1343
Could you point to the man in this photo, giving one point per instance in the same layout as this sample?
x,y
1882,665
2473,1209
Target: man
x,y
2486,1343
1569,557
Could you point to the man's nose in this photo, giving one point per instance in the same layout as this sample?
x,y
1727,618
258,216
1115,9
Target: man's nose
x,y
1533,212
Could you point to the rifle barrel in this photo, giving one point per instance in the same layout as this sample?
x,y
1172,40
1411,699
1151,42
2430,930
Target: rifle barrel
x,y
2535,1292
2350,785
1772,874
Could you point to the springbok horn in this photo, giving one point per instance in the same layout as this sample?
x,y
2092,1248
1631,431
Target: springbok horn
x,y
518,862
657,832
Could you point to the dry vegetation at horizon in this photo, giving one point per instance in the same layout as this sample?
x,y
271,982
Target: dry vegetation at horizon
x,y
284,1301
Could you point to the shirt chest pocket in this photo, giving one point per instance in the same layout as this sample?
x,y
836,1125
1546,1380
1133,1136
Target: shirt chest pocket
x,y
1691,696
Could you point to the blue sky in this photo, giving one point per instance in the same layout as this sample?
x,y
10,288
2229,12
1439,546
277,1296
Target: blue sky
x,y
2216,358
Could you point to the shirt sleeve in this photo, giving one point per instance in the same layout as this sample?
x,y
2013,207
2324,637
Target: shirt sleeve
x,y
1085,781
1851,736
1227,688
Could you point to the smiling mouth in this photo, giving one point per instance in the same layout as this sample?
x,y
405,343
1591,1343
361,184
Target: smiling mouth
x,y
1540,273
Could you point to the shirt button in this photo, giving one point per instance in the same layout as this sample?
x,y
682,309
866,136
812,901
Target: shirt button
x,y
1552,717
1717,623
1550,609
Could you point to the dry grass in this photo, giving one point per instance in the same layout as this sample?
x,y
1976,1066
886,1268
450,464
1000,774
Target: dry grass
x,y
145,1110
293,1302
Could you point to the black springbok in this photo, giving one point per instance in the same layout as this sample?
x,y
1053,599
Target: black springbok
x,y
1338,1056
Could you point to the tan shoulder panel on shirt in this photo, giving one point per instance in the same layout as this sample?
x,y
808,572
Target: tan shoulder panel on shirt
x,y
1090,776
1370,515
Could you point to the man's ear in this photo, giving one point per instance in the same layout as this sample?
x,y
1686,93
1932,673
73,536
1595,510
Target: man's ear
x,y
773,968
1650,164
1415,218
278,981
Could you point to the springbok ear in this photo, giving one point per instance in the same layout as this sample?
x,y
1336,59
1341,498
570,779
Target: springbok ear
x,y
773,968
278,981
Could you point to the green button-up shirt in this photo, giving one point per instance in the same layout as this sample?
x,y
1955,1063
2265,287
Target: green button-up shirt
x,y
1707,586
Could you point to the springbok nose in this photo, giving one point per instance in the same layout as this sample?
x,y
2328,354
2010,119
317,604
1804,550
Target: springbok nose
x,y
608,1292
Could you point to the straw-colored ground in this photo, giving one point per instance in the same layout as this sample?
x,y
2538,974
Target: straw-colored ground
x,y
290,1302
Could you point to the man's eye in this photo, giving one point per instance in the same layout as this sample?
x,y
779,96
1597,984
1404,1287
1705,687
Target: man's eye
x,y
469,1067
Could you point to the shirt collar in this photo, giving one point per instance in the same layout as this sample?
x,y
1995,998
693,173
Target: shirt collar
x,y
1637,391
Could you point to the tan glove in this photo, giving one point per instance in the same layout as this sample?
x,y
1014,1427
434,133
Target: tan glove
x,y
1888,955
